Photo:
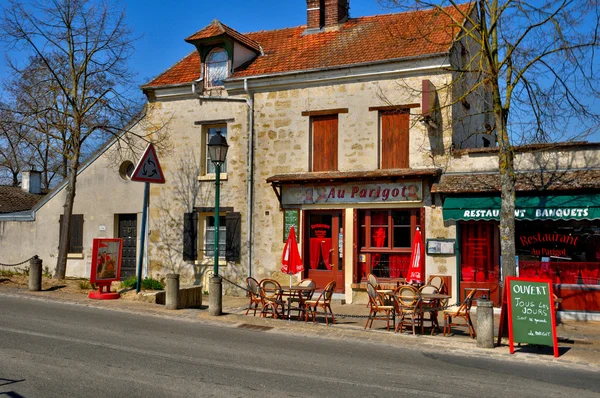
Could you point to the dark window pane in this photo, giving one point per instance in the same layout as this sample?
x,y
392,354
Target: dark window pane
x,y
401,237
401,217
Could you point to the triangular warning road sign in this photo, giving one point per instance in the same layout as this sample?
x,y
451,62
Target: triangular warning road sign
x,y
148,168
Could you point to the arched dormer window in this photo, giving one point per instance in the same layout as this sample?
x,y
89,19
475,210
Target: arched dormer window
x,y
216,67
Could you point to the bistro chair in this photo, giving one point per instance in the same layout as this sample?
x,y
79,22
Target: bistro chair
x,y
270,291
430,306
409,308
254,293
464,312
437,282
303,296
377,304
324,301
372,280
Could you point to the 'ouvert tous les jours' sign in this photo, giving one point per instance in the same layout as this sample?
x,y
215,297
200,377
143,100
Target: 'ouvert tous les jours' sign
x,y
406,191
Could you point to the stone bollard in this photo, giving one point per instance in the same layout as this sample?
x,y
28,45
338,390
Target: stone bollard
x,y
35,274
485,324
215,296
172,292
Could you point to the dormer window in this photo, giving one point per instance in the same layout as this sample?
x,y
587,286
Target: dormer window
x,y
216,68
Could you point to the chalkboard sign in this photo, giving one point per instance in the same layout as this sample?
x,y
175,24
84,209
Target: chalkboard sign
x,y
290,217
531,317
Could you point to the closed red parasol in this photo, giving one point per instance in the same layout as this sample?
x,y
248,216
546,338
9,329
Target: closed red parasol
x,y
291,263
417,266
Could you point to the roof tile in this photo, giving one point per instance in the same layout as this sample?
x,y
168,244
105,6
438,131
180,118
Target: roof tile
x,y
359,40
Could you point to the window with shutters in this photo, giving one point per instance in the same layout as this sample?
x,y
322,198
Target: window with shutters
x,y
75,233
394,139
199,235
324,142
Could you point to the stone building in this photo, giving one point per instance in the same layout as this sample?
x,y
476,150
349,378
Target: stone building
x,y
357,131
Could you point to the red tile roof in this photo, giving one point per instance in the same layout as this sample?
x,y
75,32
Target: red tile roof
x,y
357,41
217,28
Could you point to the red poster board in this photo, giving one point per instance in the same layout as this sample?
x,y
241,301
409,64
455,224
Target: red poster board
x,y
528,310
106,266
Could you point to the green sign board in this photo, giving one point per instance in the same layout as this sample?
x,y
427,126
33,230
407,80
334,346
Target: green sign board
x,y
290,217
531,317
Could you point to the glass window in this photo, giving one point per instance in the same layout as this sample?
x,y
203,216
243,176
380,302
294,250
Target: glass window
x,y
211,131
209,236
216,65
385,238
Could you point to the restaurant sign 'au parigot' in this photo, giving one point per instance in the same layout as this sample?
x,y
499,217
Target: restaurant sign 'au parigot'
x,y
407,191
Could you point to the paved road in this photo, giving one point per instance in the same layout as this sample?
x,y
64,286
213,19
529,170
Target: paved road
x,y
52,349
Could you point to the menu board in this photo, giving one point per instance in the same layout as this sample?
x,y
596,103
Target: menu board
x,y
290,217
531,317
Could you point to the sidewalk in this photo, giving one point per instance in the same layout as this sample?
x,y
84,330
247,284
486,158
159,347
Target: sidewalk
x,y
579,342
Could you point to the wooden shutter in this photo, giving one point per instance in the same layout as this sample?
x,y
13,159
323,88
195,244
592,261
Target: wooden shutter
x,y
75,233
190,236
395,139
233,222
325,143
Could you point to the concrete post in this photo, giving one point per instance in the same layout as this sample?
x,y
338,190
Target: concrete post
x,y
485,324
215,296
172,292
35,274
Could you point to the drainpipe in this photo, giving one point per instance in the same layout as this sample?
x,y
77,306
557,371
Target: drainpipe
x,y
250,102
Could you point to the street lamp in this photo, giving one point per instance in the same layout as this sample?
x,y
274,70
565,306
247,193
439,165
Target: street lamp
x,y
217,151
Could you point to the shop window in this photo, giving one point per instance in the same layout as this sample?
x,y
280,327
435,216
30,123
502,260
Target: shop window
x,y
562,251
385,238
215,68
324,142
211,131
394,139
75,233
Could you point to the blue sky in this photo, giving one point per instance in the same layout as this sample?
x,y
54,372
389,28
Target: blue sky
x,y
165,24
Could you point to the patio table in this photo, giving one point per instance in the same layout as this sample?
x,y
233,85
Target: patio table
x,y
434,298
295,291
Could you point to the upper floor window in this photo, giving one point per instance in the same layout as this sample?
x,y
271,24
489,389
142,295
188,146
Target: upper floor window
x,y
210,131
216,65
394,139
325,143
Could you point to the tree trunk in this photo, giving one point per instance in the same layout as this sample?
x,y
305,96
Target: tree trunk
x,y
507,209
63,248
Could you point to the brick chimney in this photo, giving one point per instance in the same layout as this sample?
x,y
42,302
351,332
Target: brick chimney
x,y
325,13
31,181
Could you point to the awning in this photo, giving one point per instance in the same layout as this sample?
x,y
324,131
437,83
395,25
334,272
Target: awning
x,y
550,207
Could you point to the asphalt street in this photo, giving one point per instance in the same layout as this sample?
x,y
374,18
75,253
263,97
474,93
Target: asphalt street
x,y
50,349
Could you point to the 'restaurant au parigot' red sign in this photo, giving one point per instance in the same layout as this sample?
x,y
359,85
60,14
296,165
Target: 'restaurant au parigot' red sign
x,y
406,191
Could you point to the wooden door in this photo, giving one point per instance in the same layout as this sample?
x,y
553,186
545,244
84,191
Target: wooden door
x,y
324,248
128,232
325,143
395,139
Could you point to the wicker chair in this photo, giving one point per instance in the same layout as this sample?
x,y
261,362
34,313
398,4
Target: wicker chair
x,y
378,306
409,307
464,312
270,291
254,294
324,301
437,282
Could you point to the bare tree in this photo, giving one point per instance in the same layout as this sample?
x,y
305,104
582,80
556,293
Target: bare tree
x,y
14,154
86,90
534,64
